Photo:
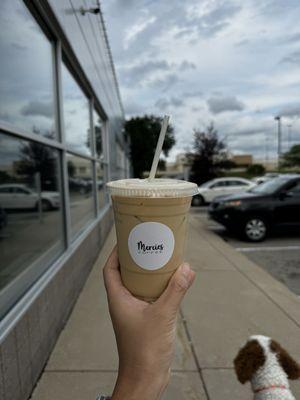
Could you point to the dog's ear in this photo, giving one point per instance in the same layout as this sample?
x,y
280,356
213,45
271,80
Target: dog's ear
x,y
248,360
289,365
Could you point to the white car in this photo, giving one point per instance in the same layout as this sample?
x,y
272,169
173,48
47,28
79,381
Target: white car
x,y
221,187
17,196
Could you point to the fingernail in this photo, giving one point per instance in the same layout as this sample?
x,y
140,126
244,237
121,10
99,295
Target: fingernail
x,y
185,270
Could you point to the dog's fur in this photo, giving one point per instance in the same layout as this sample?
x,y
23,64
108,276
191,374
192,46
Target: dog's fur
x,y
264,363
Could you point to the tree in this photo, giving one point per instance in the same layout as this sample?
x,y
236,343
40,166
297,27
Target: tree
x,y
208,157
292,157
36,157
143,133
162,165
5,177
71,169
256,169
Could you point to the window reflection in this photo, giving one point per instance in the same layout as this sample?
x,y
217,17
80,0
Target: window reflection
x,y
76,114
81,192
98,127
101,179
121,161
26,83
31,230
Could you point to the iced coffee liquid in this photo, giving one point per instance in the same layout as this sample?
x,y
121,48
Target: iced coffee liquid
x,y
152,234
151,223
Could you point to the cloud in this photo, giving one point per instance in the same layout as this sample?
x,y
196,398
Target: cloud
x,y
292,58
292,110
134,30
164,103
222,104
294,38
217,18
136,74
164,83
39,108
242,42
184,32
186,65
132,108
192,93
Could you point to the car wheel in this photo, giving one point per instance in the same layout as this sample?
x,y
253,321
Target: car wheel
x,y
197,201
46,205
255,229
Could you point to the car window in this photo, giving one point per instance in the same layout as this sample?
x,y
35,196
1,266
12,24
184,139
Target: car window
x,y
242,183
270,186
218,184
236,183
294,188
6,190
21,190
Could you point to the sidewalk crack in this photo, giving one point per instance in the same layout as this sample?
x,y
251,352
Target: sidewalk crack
x,y
190,341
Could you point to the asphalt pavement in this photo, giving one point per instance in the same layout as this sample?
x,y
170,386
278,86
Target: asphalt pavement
x,y
279,254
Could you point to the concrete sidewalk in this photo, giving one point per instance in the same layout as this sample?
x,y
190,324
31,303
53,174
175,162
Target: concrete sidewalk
x,y
231,299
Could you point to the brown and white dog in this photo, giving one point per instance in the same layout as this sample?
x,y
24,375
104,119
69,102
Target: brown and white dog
x,y
268,367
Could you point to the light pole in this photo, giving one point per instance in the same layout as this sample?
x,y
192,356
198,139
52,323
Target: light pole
x,y
278,119
289,126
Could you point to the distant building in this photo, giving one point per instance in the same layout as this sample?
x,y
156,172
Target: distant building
x,y
178,169
270,164
242,160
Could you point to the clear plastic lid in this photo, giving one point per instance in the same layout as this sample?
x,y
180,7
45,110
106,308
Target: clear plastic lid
x,y
156,188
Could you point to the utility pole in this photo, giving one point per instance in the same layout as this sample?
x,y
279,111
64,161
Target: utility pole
x,y
289,126
266,149
278,119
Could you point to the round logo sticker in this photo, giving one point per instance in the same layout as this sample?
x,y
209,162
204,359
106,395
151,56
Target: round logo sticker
x,y
151,245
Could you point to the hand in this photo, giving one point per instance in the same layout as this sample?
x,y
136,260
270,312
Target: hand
x,y
145,333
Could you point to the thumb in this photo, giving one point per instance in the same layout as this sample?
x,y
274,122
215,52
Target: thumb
x,y
177,287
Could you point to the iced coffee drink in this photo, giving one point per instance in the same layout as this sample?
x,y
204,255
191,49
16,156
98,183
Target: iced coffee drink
x,y
151,223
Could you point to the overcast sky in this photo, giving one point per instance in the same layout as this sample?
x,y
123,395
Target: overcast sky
x,y
233,62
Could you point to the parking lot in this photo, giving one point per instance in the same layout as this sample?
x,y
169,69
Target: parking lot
x,y
278,254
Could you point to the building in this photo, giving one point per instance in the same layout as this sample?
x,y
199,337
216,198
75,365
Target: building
x,y
61,139
242,160
271,164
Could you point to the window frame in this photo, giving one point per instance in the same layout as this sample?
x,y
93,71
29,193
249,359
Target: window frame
x,y
18,289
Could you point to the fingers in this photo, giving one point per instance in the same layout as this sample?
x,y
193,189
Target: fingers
x,y
111,274
177,287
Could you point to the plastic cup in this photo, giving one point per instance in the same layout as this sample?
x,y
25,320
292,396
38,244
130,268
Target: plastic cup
x,y
151,223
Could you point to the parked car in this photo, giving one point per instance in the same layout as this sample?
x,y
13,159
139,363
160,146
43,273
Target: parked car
x,y
253,214
3,218
218,187
17,196
79,185
261,179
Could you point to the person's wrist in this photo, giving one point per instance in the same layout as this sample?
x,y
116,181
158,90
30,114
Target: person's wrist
x,y
134,384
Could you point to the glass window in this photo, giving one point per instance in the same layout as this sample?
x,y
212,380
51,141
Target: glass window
x,y
26,75
76,115
121,161
219,184
99,137
294,188
31,221
81,192
236,183
101,176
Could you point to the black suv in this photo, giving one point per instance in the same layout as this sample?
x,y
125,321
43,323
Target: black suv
x,y
252,214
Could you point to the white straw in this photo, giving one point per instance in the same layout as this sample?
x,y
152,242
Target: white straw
x,y
159,146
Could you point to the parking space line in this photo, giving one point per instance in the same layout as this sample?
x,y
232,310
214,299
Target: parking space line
x,y
270,248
